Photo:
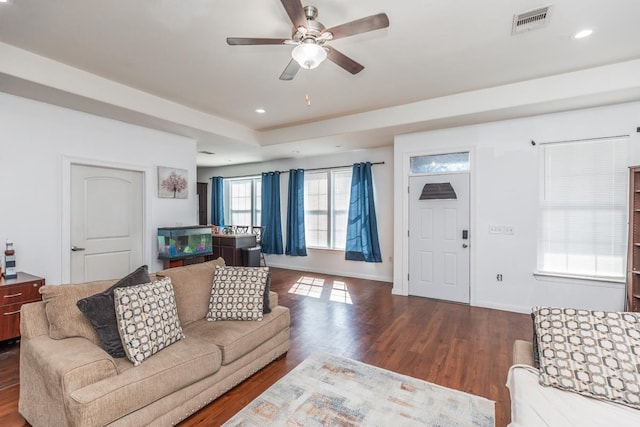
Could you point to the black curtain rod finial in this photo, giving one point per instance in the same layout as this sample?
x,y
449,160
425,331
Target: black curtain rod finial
x,y
533,142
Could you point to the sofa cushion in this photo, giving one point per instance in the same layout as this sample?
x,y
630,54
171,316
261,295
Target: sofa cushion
x,y
192,288
178,366
237,338
147,318
65,318
238,293
100,311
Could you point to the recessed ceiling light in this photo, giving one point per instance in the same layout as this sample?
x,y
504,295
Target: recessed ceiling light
x,y
583,33
6,1
260,110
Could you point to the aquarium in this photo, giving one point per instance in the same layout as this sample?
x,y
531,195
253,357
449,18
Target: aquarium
x,y
184,242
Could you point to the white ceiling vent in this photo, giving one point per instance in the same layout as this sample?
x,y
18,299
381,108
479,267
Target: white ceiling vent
x,y
530,20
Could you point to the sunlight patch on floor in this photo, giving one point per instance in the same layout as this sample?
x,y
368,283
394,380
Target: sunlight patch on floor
x,y
309,286
340,293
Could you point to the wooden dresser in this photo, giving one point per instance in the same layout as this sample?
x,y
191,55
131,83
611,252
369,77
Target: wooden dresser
x,y
14,293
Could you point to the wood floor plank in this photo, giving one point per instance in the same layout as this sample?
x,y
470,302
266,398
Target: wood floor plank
x,y
453,345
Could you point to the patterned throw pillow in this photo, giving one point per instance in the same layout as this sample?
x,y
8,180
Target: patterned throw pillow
x,y
593,353
238,293
147,318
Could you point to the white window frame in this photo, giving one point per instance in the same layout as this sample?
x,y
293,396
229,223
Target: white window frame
x,y
256,208
616,208
331,212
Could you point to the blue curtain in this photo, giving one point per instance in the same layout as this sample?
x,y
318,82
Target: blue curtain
x,y
362,226
217,200
296,243
272,238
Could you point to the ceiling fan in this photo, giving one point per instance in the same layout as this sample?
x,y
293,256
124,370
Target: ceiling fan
x,y
309,36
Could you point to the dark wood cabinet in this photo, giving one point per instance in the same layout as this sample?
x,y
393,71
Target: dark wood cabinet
x,y
13,294
229,247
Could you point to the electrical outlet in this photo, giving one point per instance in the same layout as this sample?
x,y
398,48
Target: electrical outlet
x,y
509,229
494,229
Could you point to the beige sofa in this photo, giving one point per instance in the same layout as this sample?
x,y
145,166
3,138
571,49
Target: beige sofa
x,y
533,404
67,379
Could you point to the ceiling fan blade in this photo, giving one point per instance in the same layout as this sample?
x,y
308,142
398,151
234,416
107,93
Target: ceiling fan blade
x,y
370,23
246,41
290,72
344,61
296,12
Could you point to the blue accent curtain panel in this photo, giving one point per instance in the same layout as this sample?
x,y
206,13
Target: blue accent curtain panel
x,y
272,237
362,226
296,242
217,200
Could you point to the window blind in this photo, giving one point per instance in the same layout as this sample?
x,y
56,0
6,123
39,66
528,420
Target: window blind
x,y
583,208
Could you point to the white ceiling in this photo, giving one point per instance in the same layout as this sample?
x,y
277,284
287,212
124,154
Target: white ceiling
x,y
432,50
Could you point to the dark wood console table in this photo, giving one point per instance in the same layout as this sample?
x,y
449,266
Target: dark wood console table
x,y
14,293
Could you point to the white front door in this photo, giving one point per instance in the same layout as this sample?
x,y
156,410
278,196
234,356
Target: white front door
x,y
106,222
438,249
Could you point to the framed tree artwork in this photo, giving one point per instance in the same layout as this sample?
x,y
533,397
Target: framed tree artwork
x,y
173,183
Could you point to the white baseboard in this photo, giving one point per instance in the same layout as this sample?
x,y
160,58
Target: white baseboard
x,y
503,307
333,272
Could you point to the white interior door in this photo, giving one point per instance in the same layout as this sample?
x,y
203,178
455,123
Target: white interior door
x,y
438,249
106,222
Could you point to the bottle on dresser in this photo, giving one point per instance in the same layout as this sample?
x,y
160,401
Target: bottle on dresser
x,y
10,262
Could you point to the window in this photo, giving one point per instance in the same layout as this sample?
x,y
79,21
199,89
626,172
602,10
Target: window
x,y
243,201
326,204
583,208
439,163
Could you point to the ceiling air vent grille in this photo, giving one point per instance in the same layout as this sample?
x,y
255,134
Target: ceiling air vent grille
x,y
530,20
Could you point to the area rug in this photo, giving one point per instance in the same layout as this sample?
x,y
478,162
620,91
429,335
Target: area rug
x,y
328,390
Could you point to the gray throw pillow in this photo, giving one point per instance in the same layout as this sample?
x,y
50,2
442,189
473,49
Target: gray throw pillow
x,y
100,310
266,308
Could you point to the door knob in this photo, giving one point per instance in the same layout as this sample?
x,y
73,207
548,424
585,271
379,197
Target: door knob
x,y
464,245
76,249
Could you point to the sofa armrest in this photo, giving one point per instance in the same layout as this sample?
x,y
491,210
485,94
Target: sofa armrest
x,y
523,353
33,320
273,299
63,365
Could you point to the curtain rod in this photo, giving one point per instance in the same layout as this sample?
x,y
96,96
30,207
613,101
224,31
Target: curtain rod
x,y
312,169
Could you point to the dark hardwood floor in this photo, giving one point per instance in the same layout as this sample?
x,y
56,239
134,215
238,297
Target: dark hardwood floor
x,y
453,345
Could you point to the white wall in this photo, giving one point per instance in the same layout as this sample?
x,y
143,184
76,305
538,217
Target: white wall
x,y
330,261
504,186
38,142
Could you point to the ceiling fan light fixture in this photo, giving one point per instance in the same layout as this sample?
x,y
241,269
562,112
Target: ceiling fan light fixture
x,y
308,54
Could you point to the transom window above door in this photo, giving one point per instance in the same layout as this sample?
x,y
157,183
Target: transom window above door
x,y
439,163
